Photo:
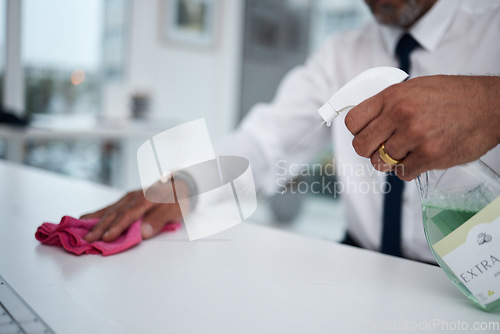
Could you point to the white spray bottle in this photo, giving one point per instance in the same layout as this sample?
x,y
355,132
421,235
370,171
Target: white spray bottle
x,y
363,86
461,205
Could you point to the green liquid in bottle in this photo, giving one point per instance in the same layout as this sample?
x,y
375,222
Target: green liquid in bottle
x,y
438,223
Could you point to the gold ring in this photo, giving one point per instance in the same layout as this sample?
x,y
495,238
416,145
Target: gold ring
x,y
386,157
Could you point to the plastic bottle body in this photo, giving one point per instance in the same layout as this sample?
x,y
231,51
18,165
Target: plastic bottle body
x,y
461,236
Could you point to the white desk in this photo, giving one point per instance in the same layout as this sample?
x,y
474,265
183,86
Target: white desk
x,y
249,279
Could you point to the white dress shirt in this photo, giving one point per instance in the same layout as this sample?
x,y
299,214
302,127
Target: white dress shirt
x,y
457,37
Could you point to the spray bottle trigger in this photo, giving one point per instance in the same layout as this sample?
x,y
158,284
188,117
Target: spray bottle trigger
x,y
363,86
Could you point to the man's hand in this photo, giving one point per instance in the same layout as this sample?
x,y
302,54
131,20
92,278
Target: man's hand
x,y
433,122
117,217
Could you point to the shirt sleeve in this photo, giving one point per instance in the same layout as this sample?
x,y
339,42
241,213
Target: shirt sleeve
x,y
280,136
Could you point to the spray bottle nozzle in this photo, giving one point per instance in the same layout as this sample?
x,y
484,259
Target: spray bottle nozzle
x,y
364,85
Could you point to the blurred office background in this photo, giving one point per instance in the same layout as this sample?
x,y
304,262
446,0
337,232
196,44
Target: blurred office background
x,y
98,77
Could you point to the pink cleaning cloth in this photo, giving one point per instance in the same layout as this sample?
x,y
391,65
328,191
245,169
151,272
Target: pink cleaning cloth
x,y
69,234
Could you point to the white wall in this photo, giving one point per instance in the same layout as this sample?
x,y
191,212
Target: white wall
x,y
185,82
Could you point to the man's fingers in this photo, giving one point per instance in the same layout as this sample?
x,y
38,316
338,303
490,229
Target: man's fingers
x,y
398,146
125,218
365,112
407,169
368,140
98,230
97,214
106,216
100,213
379,164
117,217
410,167
156,218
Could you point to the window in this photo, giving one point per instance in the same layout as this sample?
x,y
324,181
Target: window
x,y
69,48
61,55
3,24
116,18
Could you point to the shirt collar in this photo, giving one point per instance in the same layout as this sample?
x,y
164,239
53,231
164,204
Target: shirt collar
x,y
429,30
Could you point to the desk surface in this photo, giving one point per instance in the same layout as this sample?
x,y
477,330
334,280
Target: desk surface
x,y
249,279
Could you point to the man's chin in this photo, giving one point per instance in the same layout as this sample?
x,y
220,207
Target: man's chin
x,y
396,14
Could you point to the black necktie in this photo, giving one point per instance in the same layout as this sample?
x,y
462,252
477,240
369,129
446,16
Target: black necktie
x,y
391,232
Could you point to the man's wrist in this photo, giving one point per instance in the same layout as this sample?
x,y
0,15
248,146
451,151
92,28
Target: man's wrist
x,y
186,182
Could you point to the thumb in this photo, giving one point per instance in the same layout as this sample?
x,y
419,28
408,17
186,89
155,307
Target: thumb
x,y
147,230
158,217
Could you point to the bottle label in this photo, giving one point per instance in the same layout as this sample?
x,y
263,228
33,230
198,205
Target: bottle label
x,y
472,252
